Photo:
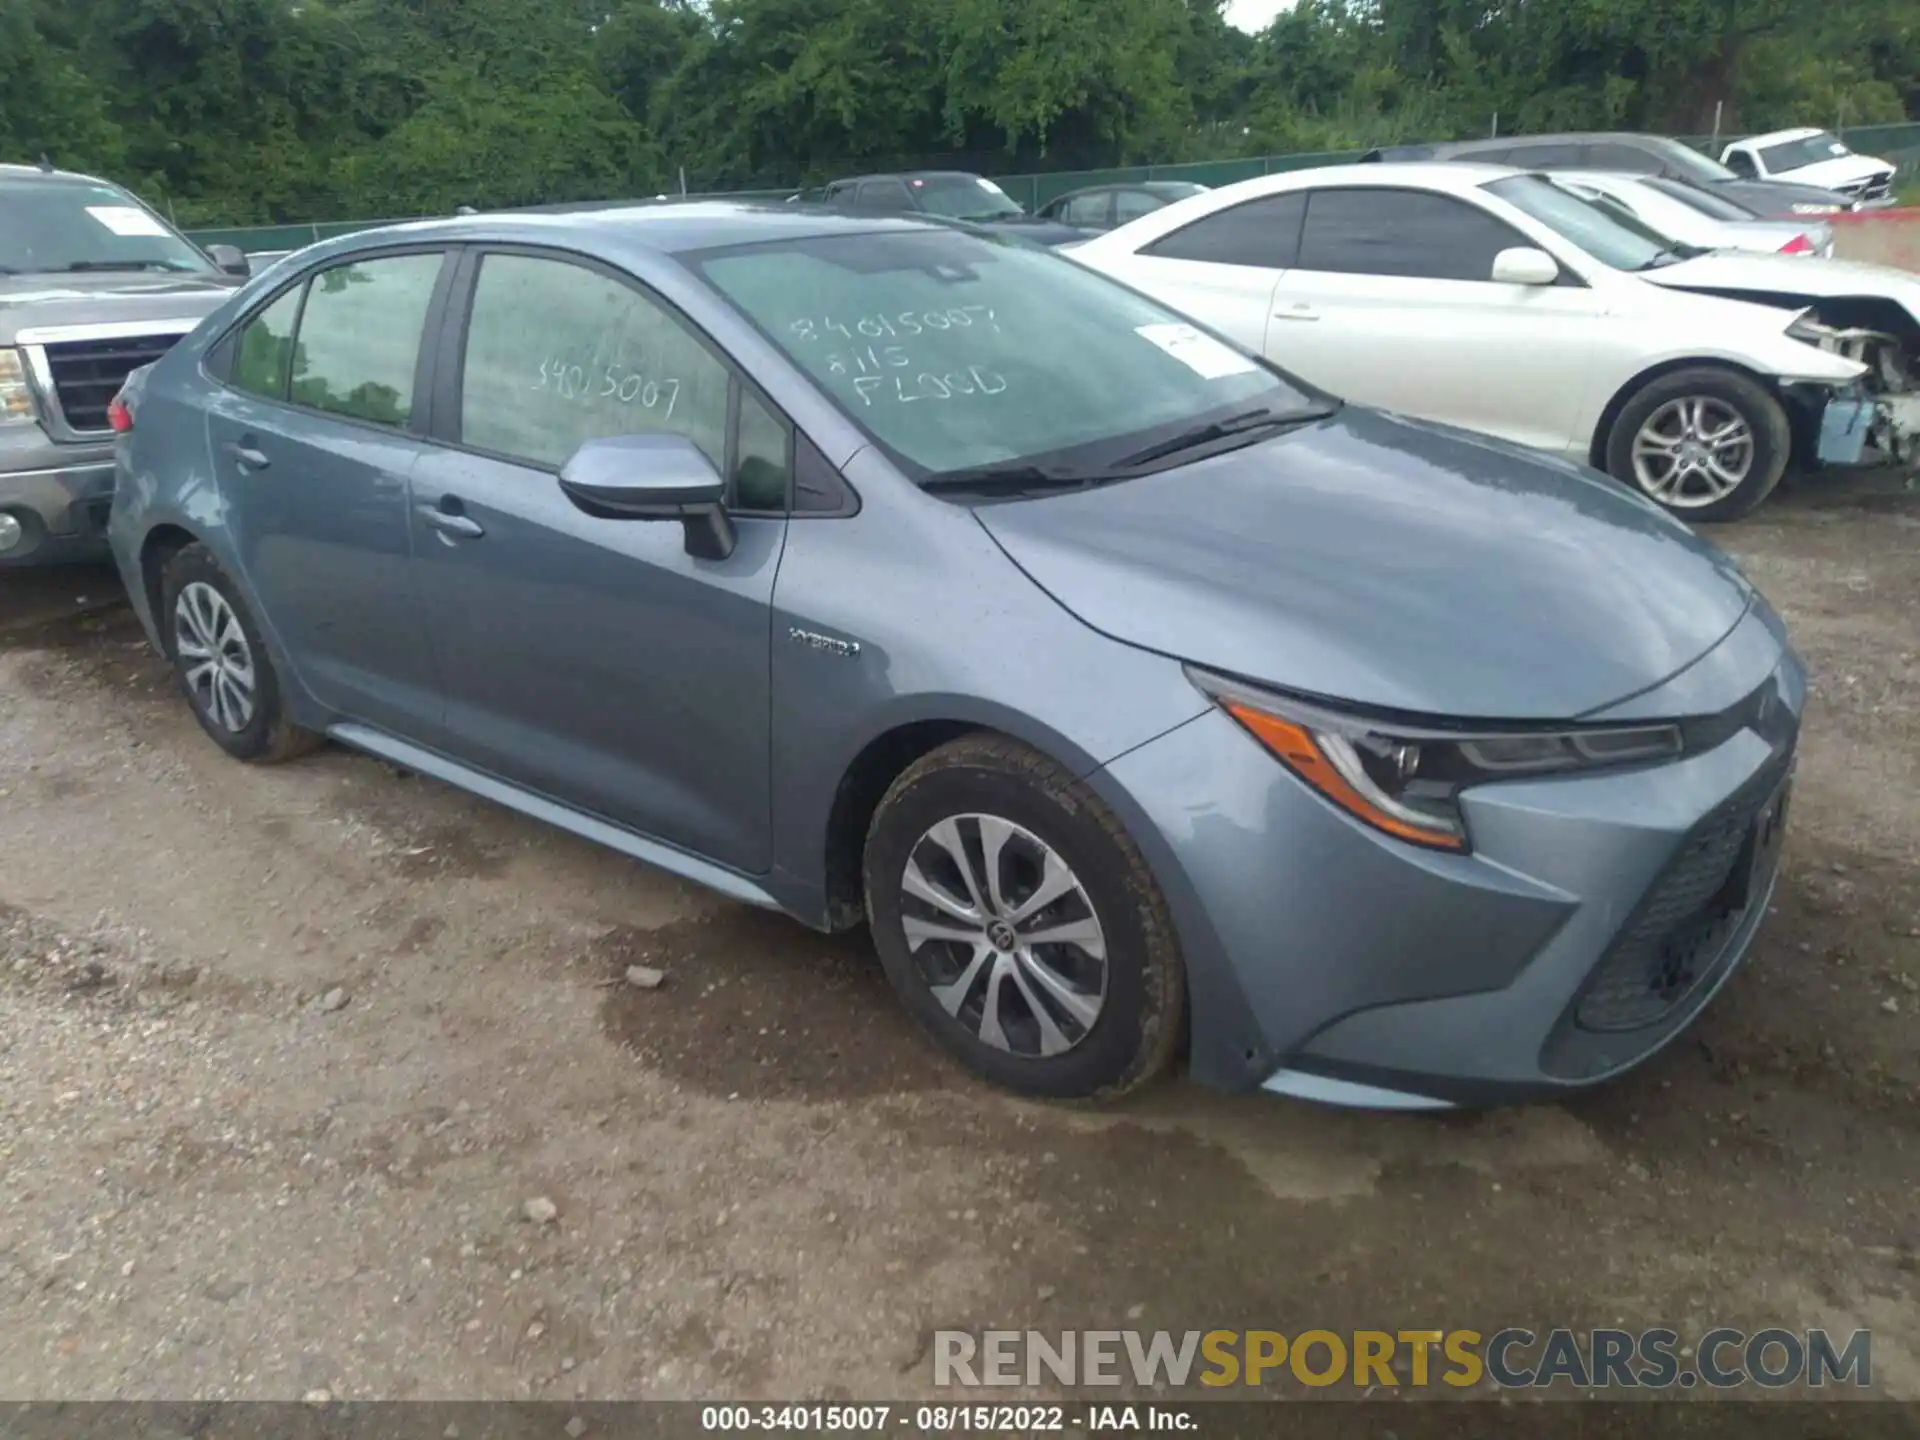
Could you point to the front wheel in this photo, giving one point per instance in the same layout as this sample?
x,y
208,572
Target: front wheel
x,y
1704,443
1019,924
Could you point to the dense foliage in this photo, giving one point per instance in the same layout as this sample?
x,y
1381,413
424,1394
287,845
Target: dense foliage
x,y
232,111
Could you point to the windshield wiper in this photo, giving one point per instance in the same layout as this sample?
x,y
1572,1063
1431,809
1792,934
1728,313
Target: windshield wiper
x,y
1009,479
78,265
1672,255
1242,424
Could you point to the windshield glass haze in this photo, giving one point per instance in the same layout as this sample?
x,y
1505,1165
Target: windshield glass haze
x,y
1609,234
52,225
957,351
963,197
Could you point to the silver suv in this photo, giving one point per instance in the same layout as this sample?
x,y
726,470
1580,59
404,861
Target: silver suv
x,y
93,285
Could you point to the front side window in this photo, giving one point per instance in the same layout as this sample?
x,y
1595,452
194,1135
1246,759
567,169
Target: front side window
x,y
359,338
1132,204
884,197
1087,210
1616,239
263,353
1406,233
956,351
57,225
558,354
1262,234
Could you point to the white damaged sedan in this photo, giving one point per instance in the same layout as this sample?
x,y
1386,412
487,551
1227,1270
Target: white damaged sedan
x,y
1490,298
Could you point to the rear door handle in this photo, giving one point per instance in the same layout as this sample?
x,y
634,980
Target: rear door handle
x,y
1297,312
248,455
451,522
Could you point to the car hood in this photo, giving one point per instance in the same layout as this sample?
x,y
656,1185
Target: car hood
x,y
1787,277
1775,199
36,302
1840,170
1389,563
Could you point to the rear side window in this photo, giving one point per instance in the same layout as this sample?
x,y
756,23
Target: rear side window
x,y
1263,233
1402,233
558,354
1543,157
359,337
263,353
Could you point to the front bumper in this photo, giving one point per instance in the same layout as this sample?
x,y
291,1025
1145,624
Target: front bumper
x,y
58,495
1596,917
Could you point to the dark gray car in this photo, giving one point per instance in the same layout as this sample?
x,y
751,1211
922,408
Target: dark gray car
x,y
1632,154
1140,698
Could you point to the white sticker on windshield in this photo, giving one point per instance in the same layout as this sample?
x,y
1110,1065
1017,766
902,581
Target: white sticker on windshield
x,y
1202,354
127,220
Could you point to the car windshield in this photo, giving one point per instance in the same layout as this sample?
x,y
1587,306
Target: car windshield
x,y
54,224
1717,207
963,197
1688,161
961,351
1612,236
1809,150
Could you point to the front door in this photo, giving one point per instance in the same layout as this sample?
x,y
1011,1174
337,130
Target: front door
x,y
311,440
1391,303
593,660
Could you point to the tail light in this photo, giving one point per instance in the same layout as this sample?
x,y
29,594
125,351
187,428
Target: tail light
x,y
1798,245
119,416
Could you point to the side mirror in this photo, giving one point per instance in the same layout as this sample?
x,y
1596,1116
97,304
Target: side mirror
x,y
1524,265
230,260
653,477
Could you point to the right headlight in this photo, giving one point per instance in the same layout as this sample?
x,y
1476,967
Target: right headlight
x,y
16,396
1407,779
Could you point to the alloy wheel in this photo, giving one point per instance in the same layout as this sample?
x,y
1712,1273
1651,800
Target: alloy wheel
x,y
215,660
1005,935
1692,452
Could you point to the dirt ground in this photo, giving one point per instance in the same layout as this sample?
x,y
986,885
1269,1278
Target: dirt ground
x,y
218,1179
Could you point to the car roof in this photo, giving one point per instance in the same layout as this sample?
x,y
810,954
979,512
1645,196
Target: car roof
x,y
664,228
34,172
1444,148
1776,137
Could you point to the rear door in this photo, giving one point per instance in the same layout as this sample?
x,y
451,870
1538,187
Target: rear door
x,y
1222,268
1391,302
594,660
313,437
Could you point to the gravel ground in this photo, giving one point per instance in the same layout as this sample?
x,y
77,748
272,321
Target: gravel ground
x,y
326,1078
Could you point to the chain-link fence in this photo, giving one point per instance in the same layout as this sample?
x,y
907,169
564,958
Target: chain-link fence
x,y
1898,143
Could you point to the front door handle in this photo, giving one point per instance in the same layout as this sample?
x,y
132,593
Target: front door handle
x,y
451,522
1297,312
251,457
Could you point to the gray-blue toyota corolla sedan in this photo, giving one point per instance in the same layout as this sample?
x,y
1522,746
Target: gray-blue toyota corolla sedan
x,y
1138,697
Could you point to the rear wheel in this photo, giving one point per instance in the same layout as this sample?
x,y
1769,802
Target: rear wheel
x,y
222,662
1020,925
1705,443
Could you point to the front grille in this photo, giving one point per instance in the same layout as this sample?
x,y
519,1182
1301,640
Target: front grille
x,y
1683,925
1878,188
87,374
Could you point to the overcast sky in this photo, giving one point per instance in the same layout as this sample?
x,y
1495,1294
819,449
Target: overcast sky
x,y
1255,15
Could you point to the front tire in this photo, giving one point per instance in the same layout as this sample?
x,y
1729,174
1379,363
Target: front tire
x,y
1704,443
223,664
1020,926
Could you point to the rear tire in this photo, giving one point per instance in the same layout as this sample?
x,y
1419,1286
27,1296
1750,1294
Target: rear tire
x,y
1704,443
1097,1010
223,664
